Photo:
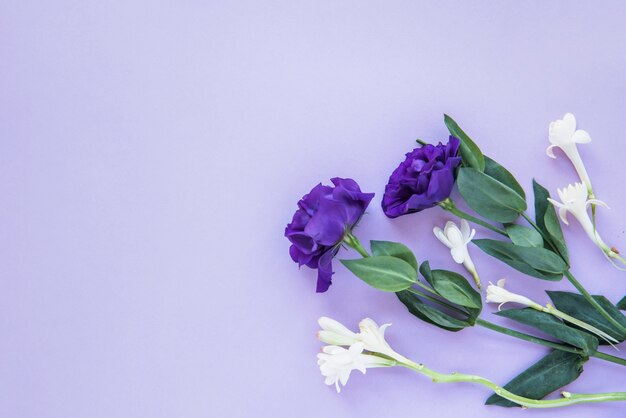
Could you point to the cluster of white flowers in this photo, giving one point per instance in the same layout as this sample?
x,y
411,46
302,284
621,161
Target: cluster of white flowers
x,y
576,198
365,349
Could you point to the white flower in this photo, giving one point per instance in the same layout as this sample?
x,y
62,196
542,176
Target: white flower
x,y
335,333
371,336
574,199
563,134
498,294
456,239
336,363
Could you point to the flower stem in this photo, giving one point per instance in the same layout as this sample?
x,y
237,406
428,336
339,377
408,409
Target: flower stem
x,y
546,343
577,284
566,400
593,302
520,335
449,205
354,243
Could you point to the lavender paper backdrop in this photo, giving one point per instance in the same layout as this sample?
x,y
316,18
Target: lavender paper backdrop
x,y
151,153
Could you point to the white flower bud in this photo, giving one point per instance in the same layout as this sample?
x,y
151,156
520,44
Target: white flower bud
x,y
563,134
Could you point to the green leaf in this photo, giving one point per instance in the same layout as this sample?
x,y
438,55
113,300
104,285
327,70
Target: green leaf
x,y
523,236
394,249
557,369
470,153
383,272
621,305
455,288
533,261
488,197
547,221
495,170
577,306
429,314
554,327
426,272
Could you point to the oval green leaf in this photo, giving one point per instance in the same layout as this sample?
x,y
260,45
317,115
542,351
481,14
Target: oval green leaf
x,y
470,153
547,221
455,288
385,272
488,197
498,172
557,369
554,327
523,236
430,314
577,306
394,249
533,261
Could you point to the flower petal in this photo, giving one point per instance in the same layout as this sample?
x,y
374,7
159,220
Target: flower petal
x,y
325,271
465,229
598,202
550,151
569,122
441,237
581,137
563,215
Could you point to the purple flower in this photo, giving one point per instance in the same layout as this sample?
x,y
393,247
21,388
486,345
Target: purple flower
x,y
423,179
318,227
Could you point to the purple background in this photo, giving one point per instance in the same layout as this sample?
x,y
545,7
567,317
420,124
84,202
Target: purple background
x,y
152,152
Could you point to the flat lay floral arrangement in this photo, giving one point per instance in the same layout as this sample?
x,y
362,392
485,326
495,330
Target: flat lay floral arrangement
x,y
580,325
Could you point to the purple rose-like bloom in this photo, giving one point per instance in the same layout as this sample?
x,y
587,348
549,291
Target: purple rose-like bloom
x,y
423,179
318,227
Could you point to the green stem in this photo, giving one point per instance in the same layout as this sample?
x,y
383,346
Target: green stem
x,y
516,334
546,343
566,400
354,243
593,302
608,357
577,284
449,205
526,337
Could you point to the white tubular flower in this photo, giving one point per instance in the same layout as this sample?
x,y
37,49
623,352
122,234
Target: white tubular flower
x,y
373,338
456,239
498,294
336,363
335,333
574,199
563,134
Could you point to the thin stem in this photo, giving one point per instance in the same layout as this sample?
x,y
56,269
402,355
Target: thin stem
x,y
568,318
526,337
608,357
449,205
546,343
593,302
566,400
577,284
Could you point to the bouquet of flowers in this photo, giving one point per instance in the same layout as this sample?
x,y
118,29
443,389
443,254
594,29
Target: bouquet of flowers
x,y
579,323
